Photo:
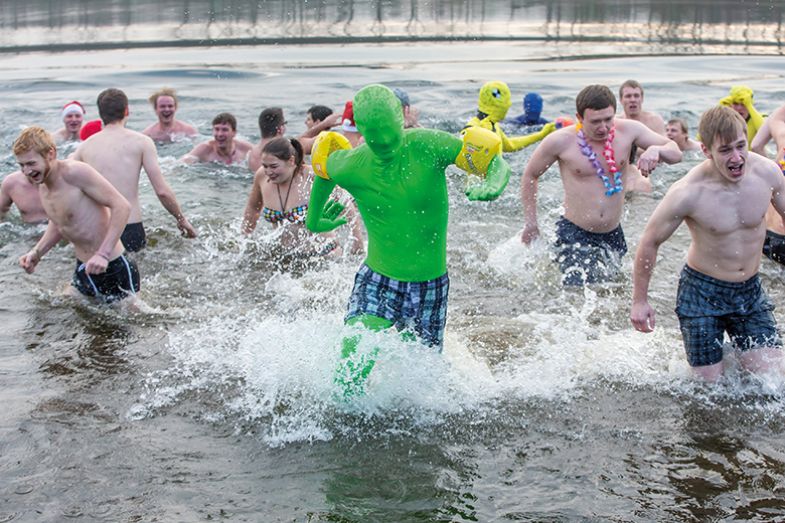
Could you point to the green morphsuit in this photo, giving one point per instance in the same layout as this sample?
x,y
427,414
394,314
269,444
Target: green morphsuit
x,y
398,181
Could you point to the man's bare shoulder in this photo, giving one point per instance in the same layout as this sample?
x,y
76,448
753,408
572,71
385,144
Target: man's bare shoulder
x,y
180,127
559,140
243,146
13,181
152,130
764,167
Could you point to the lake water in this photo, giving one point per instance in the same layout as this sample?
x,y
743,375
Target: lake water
x,y
218,404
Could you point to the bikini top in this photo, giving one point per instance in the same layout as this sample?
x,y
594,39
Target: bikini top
x,y
293,215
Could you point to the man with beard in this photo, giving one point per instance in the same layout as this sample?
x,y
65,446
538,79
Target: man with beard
x,y
167,129
83,208
119,155
723,200
224,147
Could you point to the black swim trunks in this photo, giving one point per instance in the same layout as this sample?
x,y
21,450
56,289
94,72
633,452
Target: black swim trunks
x,y
120,279
708,307
588,257
774,247
134,238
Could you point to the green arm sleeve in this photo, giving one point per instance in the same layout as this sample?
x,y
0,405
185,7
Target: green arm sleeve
x,y
495,181
315,220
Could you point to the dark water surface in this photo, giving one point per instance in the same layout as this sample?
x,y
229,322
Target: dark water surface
x,y
217,403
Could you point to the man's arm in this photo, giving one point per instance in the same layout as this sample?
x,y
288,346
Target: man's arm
x,y
663,222
162,189
196,155
762,137
103,193
50,238
657,148
5,198
544,156
309,136
254,206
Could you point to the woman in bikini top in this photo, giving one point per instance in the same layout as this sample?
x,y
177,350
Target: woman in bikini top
x,y
280,193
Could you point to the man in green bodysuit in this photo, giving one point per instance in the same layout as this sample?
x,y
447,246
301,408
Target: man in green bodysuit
x,y
398,181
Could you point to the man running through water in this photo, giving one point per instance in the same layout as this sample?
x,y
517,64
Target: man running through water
x,y
723,201
398,181
86,210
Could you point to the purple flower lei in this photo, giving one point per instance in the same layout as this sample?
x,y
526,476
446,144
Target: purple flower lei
x,y
588,152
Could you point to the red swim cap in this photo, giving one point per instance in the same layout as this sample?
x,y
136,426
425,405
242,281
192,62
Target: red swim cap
x,y
89,129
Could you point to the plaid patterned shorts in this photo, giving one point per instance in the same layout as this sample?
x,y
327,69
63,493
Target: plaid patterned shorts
x,y
588,257
708,307
417,306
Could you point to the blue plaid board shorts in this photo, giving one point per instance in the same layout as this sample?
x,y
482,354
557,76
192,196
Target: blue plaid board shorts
x,y
588,257
708,307
417,306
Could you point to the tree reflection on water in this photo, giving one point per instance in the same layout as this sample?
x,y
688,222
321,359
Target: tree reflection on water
x,y
43,24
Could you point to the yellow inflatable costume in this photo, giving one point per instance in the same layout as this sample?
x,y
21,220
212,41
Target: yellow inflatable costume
x,y
494,102
742,95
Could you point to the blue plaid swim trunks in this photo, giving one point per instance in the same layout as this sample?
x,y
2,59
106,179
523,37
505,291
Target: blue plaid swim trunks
x,y
417,306
588,257
708,307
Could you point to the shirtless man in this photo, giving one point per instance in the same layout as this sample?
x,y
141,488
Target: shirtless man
x,y
723,200
590,240
167,129
773,127
119,155
16,189
224,147
272,124
631,98
83,208
677,131
73,115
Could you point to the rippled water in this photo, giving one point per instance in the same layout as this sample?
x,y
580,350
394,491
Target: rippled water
x,y
217,403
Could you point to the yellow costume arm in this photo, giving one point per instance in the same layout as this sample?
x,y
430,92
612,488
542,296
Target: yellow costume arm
x,y
479,147
517,143
325,144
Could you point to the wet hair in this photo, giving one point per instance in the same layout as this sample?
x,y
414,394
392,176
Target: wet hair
x,y
633,84
681,123
284,148
166,91
319,112
270,120
595,97
723,123
112,105
34,139
226,118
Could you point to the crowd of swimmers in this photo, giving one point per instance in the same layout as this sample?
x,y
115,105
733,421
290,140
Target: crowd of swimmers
x,y
377,171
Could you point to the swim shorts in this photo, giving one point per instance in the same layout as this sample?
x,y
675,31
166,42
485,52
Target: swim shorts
x,y
417,306
774,247
707,307
134,238
120,279
588,257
